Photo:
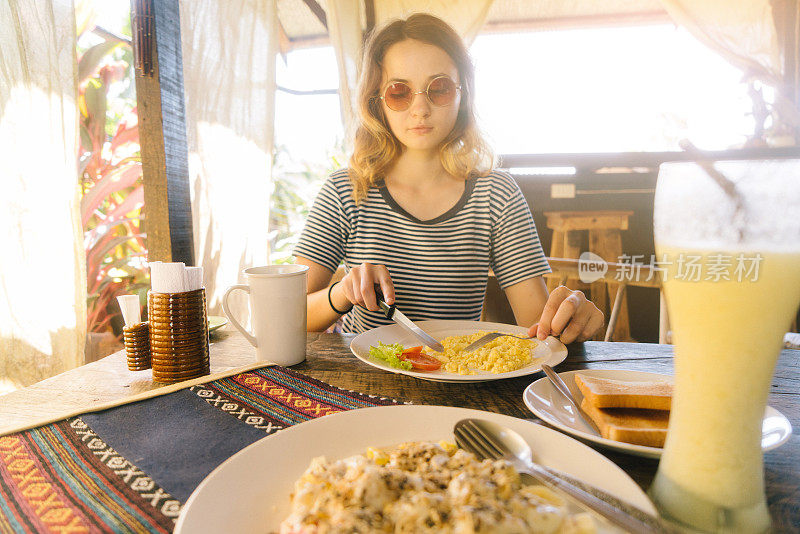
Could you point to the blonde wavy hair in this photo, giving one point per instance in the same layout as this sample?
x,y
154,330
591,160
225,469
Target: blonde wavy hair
x,y
463,153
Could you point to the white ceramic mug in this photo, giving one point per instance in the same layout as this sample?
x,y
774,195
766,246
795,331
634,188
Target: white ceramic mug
x,y
277,311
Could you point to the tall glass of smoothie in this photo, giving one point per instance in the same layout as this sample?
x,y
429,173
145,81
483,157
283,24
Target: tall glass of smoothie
x,y
731,263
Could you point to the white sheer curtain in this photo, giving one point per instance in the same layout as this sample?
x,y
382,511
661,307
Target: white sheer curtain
x,y
345,27
746,34
229,51
42,271
742,32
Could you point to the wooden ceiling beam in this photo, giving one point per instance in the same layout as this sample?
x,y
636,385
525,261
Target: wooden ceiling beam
x,y
369,14
577,22
318,12
284,43
527,25
309,41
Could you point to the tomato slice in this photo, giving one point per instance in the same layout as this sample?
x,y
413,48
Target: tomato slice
x,y
421,361
413,350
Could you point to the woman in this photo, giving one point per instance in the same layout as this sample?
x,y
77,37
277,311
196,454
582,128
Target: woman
x,y
419,212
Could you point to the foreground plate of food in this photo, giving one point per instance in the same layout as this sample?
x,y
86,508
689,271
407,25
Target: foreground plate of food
x,y
250,492
550,351
542,398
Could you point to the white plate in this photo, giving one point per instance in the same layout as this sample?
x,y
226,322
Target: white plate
x,y
547,403
551,349
250,491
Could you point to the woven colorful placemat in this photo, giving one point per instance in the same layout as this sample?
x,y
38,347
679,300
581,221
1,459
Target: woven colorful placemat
x,y
129,469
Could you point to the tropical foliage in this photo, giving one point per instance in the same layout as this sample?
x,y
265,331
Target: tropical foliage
x,y
110,175
109,170
294,187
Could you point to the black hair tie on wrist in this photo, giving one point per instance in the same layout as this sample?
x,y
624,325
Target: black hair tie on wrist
x,y
330,301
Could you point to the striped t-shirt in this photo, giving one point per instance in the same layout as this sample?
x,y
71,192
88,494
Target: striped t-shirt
x,y
439,267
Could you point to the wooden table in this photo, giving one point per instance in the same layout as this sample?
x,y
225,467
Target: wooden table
x,y
329,359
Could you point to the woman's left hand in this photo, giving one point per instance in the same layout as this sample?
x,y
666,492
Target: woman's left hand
x,y
568,314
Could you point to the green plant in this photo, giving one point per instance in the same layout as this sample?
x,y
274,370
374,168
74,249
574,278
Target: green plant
x,y
110,171
294,189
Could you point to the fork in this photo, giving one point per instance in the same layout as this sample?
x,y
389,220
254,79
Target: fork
x,y
488,440
489,337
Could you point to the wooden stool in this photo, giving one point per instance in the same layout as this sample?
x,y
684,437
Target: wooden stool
x,y
605,239
646,276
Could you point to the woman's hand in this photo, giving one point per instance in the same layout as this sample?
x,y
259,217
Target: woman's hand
x,y
359,285
569,314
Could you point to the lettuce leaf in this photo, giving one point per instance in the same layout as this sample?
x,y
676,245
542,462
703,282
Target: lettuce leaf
x,y
390,354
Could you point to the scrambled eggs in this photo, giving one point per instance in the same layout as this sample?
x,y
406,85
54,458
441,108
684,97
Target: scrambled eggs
x,y
500,355
424,487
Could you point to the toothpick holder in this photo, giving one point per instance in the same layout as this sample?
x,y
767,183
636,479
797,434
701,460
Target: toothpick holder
x,y
137,346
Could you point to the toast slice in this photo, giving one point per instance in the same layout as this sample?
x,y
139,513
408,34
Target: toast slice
x,y
631,425
608,393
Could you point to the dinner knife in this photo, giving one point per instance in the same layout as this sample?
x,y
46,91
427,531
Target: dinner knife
x,y
391,312
564,390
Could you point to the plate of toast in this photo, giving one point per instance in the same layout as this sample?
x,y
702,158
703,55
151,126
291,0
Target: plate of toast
x,y
631,409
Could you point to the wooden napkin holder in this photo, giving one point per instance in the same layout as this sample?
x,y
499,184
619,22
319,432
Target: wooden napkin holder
x,y
178,335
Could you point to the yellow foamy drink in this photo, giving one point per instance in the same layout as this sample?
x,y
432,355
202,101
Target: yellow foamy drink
x,y
727,335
